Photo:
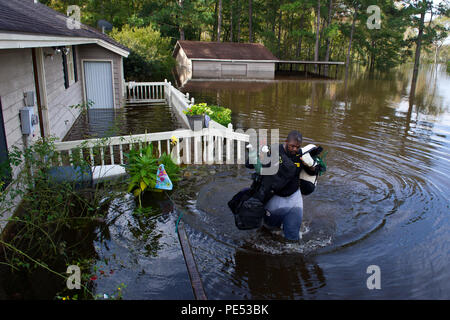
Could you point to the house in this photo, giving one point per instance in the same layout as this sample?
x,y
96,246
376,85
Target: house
x,y
48,64
223,60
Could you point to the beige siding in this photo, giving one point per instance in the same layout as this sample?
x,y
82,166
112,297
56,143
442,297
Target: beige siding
x,y
94,52
225,70
16,77
61,115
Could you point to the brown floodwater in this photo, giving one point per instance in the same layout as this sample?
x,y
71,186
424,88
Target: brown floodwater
x,y
383,201
131,119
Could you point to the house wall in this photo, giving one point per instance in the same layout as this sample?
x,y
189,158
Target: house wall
x,y
95,52
16,77
235,69
60,114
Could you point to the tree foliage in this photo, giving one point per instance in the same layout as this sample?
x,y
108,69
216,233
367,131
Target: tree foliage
x,y
150,57
287,27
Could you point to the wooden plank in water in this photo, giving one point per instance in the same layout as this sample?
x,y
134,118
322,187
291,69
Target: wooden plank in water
x,y
194,276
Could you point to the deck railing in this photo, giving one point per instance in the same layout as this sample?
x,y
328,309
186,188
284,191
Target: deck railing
x,y
216,144
145,92
209,145
159,92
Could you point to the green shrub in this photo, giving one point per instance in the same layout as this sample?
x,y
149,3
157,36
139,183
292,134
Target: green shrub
x,y
150,58
219,114
143,169
53,224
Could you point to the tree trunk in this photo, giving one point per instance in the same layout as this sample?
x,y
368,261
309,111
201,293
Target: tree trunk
x,y
180,27
215,22
219,21
299,46
316,47
327,53
231,21
372,58
417,56
239,22
350,45
280,16
250,18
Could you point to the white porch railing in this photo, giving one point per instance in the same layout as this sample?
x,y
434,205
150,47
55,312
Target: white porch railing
x,y
159,92
145,92
216,144
209,145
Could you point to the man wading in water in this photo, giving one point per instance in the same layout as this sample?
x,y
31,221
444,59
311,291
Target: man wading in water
x,y
285,207
275,199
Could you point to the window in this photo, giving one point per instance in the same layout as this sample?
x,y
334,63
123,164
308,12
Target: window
x,y
69,66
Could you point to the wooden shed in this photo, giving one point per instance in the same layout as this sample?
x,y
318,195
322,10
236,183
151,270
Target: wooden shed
x,y
223,60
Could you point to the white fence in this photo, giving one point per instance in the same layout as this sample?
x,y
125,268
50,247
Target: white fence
x,y
216,144
209,145
144,92
159,92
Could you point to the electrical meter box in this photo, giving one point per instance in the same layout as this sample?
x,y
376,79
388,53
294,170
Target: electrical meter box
x,y
29,98
28,120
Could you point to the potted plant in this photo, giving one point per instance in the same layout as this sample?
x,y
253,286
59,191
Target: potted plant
x,y
195,113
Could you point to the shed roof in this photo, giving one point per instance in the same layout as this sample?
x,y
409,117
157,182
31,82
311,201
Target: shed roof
x,y
224,50
29,17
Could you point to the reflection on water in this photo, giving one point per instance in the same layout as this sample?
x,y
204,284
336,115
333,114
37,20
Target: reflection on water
x,y
131,119
142,252
384,199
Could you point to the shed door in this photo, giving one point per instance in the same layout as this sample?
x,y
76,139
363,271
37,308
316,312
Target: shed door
x,y
5,169
98,81
234,69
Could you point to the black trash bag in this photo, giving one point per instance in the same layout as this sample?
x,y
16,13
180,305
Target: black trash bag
x,y
248,211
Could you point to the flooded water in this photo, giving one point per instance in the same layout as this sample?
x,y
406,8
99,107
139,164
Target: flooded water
x,y
131,119
383,201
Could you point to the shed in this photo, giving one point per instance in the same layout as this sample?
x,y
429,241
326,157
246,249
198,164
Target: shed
x,y
223,60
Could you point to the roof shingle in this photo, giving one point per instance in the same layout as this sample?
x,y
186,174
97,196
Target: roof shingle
x,y
26,16
224,50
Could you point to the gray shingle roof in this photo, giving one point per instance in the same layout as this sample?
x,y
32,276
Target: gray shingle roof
x,y
224,50
26,16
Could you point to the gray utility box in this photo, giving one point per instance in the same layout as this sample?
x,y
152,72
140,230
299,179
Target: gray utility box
x,y
28,120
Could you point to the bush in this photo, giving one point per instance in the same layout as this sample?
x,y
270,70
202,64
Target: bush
x,y
150,58
51,226
219,114
143,168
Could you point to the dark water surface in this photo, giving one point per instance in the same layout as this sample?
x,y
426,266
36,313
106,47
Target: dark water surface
x,y
384,200
131,119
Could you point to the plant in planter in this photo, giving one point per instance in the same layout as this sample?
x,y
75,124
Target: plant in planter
x,y
198,111
195,113
143,168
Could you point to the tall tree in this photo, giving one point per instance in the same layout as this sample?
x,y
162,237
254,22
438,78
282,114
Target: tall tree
x,y
180,27
347,61
250,21
327,44
316,46
239,21
231,21
280,16
219,21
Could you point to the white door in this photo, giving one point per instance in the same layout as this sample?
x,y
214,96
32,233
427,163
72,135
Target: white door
x,y
98,81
